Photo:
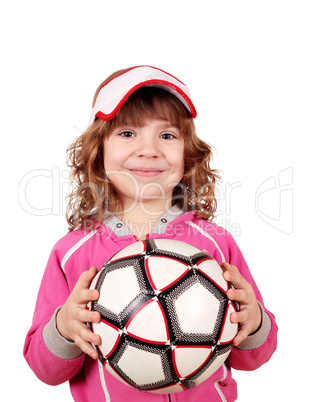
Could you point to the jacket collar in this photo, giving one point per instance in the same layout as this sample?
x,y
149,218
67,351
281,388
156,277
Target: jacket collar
x,y
120,229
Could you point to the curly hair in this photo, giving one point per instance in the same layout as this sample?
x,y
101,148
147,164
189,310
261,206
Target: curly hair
x,y
93,196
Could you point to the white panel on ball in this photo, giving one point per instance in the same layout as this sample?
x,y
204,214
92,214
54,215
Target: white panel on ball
x,y
191,307
149,324
132,250
109,337
211,268
142,365
118,289
164,272
188,359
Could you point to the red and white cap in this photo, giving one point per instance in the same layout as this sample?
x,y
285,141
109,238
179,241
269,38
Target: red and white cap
x,y
114,93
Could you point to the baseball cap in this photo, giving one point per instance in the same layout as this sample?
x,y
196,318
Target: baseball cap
x,y
114,93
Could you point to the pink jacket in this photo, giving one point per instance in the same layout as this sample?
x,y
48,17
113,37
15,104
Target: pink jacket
x,y
55,360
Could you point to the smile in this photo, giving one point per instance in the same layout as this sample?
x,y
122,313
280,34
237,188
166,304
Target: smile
x,y
145,172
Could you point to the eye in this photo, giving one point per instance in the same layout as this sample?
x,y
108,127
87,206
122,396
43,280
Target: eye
x,y
127,134
168,136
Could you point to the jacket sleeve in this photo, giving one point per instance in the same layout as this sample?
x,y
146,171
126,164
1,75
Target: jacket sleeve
x,y
258,348
52,358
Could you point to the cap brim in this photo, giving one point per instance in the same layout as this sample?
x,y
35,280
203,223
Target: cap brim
x,y
116,91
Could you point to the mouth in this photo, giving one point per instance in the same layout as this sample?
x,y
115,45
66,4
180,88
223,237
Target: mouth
x,y
145,172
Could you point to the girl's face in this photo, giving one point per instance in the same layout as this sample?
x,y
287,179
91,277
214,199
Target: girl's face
x,y
145,163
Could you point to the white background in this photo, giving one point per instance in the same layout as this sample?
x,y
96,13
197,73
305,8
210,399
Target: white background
x,y
247,66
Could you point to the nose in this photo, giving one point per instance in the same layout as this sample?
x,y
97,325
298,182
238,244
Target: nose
x,y
147,148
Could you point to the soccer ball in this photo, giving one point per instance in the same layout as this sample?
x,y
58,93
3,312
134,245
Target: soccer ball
x,y
165,317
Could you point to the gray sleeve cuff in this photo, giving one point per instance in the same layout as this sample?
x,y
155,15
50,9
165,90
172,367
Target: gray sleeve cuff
x,y
57,344
259,337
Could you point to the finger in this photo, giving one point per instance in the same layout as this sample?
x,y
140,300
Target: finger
x,y
240,317
83,296
83,334
229,267
239,295
243,333
86,278
87,335
230,272
86,347
83,315
235,279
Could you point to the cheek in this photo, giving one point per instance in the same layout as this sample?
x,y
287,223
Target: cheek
x,y
177,163
106,153
177,157
113,158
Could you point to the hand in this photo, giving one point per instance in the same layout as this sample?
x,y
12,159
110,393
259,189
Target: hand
x,y
72,317
249,316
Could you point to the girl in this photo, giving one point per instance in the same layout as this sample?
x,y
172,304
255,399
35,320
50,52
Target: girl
x,y
140,172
